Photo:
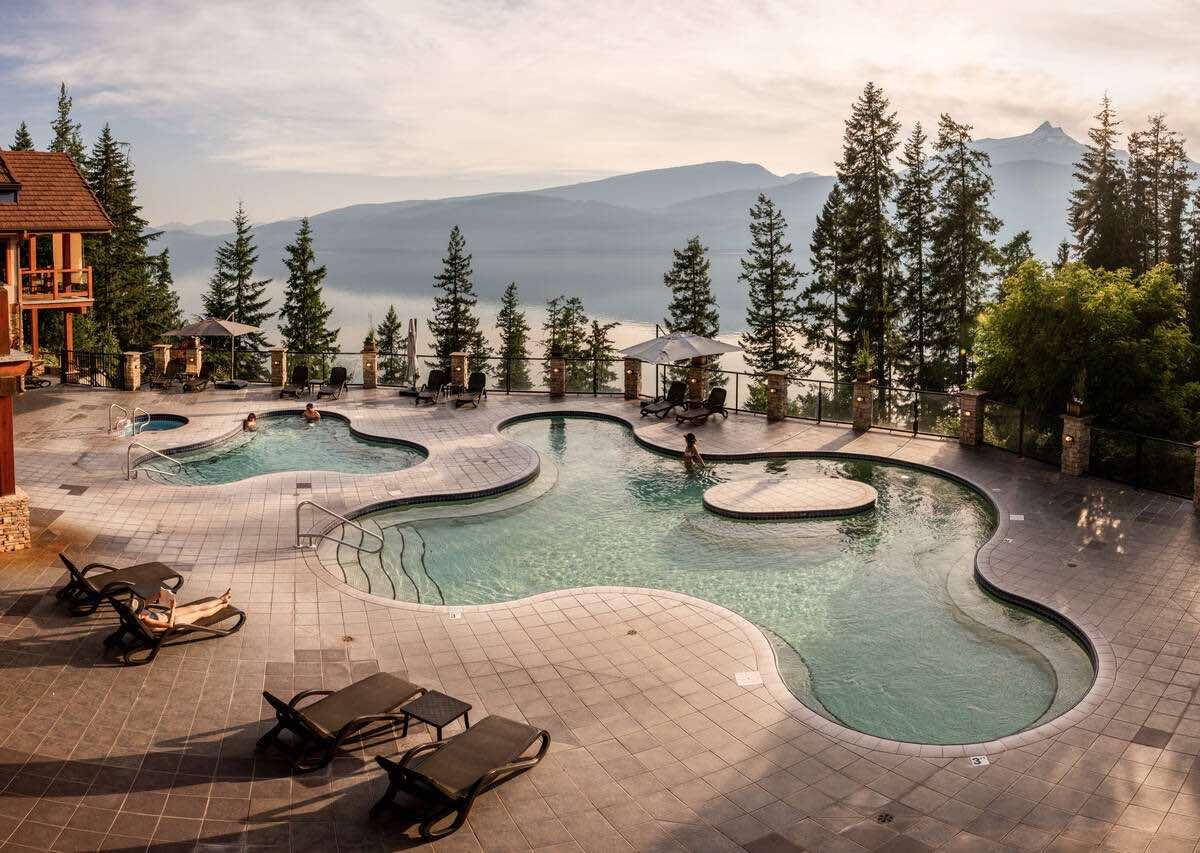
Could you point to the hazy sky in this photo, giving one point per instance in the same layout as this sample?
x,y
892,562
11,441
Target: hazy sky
x,y
301,107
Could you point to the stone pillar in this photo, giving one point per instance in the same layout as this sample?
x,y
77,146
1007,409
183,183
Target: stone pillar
x,y
162,355
558,376
697,380
970,417
633,379
133,371
1076,444
14,522
862,406
279,370
458,369
777,395
194,356
370,366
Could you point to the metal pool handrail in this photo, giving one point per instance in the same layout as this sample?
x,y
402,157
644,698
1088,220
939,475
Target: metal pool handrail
x,y
133,421
112,406
311,536
131,471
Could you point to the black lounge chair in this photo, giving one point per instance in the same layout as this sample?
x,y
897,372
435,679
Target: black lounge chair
x,y
662,406
451,773
340,714
83,594
198,382
35,375
476,388
432,389
170,377
334,385
299,383
138,645
697,413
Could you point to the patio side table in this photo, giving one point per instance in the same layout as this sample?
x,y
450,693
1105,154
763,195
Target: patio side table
x,y
437,710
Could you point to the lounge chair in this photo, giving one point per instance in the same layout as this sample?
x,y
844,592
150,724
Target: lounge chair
x,y
662,406
35,375
476,388
299,383
340,714
334,385
83,594
432,389
176,368
697,413
451,773
198,382
143,645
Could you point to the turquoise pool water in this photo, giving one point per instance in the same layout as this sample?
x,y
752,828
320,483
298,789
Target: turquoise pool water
x,y
877,620
155,423
284,442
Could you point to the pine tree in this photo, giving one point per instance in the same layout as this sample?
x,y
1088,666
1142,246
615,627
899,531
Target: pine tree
x,y
962,250
914,226
455,325
234,294
603,353
566,328
512,369
1063,256
391,344
160,306
866,176
1158,187
1098,209
22,141
1191,266
1009,258
122,270
822,301
693,308
304,318
65,133
773,309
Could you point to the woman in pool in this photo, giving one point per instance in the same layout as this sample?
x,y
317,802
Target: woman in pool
x,y
691,453
186,614
311,414
250,423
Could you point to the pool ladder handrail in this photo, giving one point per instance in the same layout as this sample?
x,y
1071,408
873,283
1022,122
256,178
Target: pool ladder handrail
x,y
131,470
311,536
136,409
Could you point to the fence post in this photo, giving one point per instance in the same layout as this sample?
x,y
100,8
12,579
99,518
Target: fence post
x,y
777,395
820,398
507,375
279,367
1077,444
863,404
970,416
916,409
1196,479
737,386
370,365
595,376
633,379
1021,434
133,371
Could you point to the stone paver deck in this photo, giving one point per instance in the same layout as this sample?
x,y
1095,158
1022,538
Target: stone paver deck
x,y
656,744
799,497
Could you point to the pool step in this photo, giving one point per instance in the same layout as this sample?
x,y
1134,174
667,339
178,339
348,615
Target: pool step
x,y
427,590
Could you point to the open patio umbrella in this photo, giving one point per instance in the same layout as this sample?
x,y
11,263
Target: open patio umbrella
x,y
216,328
677,346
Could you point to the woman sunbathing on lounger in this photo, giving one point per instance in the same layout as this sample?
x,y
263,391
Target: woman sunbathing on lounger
x,y
186,614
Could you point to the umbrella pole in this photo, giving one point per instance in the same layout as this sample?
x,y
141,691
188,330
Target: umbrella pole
x,y
232,357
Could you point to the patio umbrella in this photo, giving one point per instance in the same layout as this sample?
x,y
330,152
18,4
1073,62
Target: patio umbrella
x,y
216,328
677,346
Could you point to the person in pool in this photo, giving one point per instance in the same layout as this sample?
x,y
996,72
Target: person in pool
x,y
250,423
691,453
311,414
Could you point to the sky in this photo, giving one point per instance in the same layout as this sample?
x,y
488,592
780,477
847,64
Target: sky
x,y
300,107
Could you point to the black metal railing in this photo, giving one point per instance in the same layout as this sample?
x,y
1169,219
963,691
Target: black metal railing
x,y
95,369
1144,462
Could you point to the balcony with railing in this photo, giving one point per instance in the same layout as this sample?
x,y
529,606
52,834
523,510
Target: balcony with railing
x,y
62,286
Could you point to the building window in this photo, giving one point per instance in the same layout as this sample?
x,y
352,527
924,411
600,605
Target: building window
x,y
8,196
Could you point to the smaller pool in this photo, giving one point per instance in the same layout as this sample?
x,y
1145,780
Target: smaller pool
x,y
156,423
284,441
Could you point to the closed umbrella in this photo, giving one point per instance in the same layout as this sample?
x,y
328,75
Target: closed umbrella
x,y
412,351
216,328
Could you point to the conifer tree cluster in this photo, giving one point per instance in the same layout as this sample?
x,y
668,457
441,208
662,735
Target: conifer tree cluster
x,y
304,317
391,340
234,294
584,343
455,323
512,369
773,309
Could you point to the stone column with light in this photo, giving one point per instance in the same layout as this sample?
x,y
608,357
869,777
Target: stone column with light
x,y
970,417
558,376
14,503
777,395
1076,444
279,366
162,357
370,365
458,369
194,356
133,371
862,409
697,379
633,379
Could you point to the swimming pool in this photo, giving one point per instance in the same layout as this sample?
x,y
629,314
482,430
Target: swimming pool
x,y
284,442
155,423
876,618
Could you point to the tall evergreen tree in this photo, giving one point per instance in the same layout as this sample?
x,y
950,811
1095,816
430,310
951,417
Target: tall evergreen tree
x,y
603,353
122,269
1009,258
822,302
1158,184
234,294
392,342
160,306
22,141
566,327
1062,257
65,133
1191,266
866,177
693,308
513,368
1098,204
304,317
455,325
773,316
962,251
914,227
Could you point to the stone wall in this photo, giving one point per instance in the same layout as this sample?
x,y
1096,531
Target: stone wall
x,y
14,522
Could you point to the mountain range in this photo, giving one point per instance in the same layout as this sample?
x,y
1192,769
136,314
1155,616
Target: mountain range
x,y
608,240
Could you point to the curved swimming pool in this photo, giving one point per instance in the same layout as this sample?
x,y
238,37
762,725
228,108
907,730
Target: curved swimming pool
x,y
284,441
877,620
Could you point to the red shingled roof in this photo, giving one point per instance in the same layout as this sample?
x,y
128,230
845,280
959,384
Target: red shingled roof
x,y
53,195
